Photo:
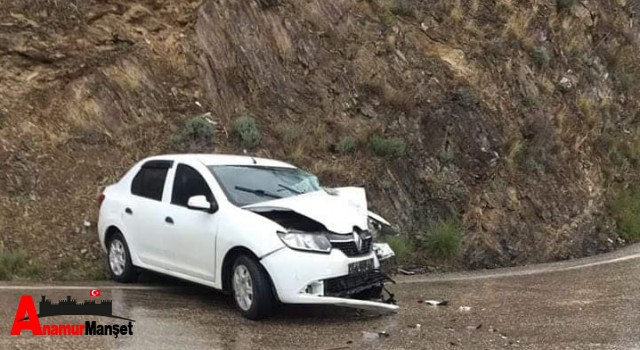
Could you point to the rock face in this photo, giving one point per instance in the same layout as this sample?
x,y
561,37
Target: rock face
x,y
518,118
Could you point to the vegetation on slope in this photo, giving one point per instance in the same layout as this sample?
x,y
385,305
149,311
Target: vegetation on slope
x,y
518,117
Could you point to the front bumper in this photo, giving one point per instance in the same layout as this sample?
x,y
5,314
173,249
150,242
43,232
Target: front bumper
x,y
309,278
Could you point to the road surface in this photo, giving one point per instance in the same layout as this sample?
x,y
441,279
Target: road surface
x,y
591,303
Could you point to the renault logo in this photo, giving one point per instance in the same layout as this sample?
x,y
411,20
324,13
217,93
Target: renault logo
x,y
358,241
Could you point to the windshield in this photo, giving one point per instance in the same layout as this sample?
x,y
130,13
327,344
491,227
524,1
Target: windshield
x,y
246,185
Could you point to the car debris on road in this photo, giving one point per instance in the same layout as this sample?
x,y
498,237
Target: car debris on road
x,y
374,335
434,302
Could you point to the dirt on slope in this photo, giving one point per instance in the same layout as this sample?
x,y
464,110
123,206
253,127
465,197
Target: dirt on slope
x,y
520,117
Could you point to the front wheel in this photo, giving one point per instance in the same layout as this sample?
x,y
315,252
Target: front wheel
x,y
120,267
251,289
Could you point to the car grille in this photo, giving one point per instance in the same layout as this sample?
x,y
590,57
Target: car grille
x,y
353,284
350,249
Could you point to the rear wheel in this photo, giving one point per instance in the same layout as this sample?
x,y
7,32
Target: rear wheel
x,y
251,288
120,267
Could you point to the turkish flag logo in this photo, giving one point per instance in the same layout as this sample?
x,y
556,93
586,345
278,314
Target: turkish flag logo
x,y
94,293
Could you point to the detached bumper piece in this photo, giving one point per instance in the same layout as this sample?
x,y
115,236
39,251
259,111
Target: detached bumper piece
x,y
345,286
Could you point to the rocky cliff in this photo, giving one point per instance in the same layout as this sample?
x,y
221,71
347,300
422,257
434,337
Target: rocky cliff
x,y
519,117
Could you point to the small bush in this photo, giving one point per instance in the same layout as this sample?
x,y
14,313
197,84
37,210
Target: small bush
x,y
197,129
625,82
247,130
403,8
290,134
443,239
388,147
12,263
347,144
540,56
403,247
529,101
626,210
446,156
267,4
565,4
465,97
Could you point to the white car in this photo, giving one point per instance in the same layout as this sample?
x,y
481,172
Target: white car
x,y
260,229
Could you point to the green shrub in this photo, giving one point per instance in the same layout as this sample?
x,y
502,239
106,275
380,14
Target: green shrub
x,y
443,239
403,8
247,130
347,144
12,263
566,4
388,147
465,97
446,156
196,129
290,133
529,101
625,82
267,4
625,207
540,56
403,247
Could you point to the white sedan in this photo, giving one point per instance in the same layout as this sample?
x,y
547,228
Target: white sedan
x,y
260,229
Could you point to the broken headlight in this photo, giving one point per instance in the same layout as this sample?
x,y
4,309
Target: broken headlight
x,y
374,226
310,242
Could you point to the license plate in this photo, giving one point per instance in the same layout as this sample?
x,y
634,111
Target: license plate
x,y
360,266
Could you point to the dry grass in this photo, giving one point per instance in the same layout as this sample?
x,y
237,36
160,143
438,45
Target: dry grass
x,y
587,108
127,75
518,25
83,112
319,140
456,13
514,150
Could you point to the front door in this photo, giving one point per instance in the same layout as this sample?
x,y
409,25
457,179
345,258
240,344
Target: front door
x,y
190,239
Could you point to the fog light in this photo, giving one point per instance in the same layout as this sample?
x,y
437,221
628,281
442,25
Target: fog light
x,y
314,288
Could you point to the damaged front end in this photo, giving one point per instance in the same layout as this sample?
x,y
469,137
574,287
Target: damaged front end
x,y
344,268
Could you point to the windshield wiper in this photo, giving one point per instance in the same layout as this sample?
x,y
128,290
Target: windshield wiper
x,y
289,189
261,193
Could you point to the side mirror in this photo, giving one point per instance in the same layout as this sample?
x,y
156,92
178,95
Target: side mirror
x,y
201,203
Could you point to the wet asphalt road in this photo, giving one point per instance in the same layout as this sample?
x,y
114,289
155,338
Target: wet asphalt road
x,y
584,304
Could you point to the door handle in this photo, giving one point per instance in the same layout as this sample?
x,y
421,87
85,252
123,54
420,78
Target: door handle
x,y
168,220
128,211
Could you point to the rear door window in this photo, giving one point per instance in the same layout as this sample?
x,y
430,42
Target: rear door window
x,y
149,181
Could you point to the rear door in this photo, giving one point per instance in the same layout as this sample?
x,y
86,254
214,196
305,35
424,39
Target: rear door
x,y
143,214
190,239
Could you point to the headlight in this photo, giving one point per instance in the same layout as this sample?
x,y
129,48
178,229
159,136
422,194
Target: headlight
x,y
374,226
311,242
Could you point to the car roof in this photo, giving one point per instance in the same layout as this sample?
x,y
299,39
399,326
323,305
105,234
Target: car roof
x,y
222,159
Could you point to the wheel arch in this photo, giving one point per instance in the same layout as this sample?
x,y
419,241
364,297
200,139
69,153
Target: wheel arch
x,y
110,232
113,230
227,266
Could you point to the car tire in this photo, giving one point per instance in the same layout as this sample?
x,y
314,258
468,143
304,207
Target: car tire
x,y
119,260
251,289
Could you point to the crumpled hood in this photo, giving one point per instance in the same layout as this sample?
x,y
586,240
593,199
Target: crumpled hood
x,y
338,213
